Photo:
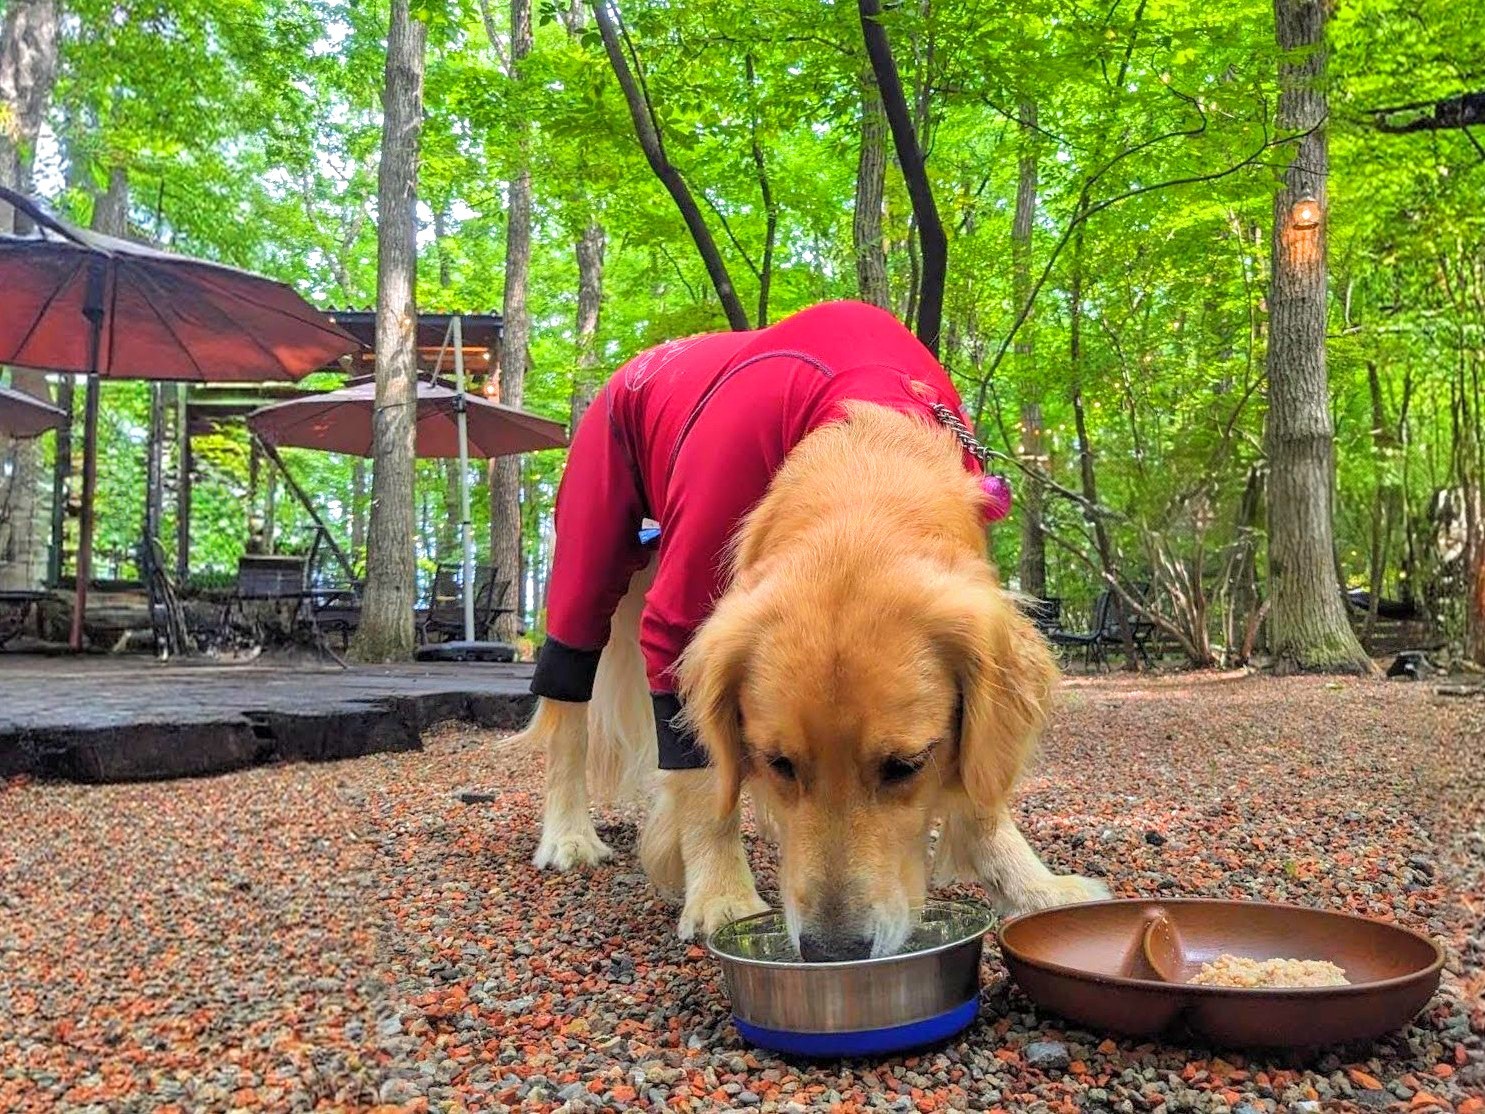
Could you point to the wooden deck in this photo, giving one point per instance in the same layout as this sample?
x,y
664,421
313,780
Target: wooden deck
x,y
131,718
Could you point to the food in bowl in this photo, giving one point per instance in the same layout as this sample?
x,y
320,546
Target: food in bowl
x,y
1242,971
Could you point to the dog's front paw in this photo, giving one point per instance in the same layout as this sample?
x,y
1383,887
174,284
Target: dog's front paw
x,y
1062,889
705,913
565,849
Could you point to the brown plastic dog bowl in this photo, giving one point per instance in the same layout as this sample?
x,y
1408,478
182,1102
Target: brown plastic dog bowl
x,y
1101,964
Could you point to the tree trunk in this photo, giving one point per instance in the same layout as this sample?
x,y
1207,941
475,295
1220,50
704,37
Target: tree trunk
x,y
1033,451
1383,500
505,472
183,467
589,251
650,141
154,484
448,542
1242,580
871,181
1308,627
931,239
770,206
448,545
1469,466
28,70
111,217
386,631
589,306
1087,472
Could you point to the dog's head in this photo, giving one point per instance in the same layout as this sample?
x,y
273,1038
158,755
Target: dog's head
x,y
860,702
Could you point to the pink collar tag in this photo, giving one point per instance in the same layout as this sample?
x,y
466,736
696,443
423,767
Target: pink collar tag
x,y
997,491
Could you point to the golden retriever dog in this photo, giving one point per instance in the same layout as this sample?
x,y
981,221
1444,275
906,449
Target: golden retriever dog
x,y
864,678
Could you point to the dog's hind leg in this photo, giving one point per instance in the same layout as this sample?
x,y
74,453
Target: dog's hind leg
x,y
997,855
617,727
621,717
568,838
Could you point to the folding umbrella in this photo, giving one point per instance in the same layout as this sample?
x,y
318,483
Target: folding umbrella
x,y
449,423
23,416
77,301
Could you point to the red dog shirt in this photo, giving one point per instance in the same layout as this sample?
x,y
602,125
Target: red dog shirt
x,y
689,434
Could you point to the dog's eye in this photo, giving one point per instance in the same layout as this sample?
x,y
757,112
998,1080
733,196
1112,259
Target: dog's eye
x,y
782,766
896,770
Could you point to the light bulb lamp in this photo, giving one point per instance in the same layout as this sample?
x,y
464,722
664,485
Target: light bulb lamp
x,y
1305,214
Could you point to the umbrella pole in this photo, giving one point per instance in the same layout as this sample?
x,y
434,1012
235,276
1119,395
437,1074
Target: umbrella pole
x,y
85,524
93,310
465,525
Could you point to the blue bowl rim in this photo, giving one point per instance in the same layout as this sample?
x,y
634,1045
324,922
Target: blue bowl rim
x,y
984,912
848,1043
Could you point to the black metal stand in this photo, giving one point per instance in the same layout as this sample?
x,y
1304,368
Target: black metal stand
x,y
466,651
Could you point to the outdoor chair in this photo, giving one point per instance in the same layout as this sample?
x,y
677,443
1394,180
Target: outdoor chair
x,y
17,605
1107,631
168,623
443,619
337,611
334,604
1044,613
282,581
1395,610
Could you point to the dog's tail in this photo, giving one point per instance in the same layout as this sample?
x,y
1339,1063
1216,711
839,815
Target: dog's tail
x,y
621,718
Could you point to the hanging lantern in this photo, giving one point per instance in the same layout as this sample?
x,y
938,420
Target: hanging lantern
x,y
1305,214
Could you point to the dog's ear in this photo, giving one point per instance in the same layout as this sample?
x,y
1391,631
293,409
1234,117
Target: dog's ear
x,y
710,675
1005,674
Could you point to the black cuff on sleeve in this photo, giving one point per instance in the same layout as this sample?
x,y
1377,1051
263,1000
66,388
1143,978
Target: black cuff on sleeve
x,y
563,673
679,747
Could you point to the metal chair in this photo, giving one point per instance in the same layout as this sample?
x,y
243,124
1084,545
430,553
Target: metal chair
x,y
444,616
1108,630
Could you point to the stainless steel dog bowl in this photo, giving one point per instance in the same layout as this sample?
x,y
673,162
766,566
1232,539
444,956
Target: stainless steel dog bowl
x,y
922,995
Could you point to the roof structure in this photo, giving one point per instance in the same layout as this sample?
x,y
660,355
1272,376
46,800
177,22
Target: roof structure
x,y
210,403
481,339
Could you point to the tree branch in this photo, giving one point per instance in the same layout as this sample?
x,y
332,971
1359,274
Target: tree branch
x,y
931,239
1462,111
731,236
1082,216
770,210
642,113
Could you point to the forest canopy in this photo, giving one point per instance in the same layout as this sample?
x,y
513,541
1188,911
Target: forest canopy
x,y
1105,178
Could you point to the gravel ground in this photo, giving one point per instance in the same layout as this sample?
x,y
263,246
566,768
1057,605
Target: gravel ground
x,y
356,936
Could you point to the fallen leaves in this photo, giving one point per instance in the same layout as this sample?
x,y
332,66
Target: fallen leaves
x,y
223,943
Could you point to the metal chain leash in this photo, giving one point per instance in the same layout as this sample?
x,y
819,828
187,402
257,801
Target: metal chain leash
x,y
962,433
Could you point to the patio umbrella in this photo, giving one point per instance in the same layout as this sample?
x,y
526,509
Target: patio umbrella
x,y
23,416
450,422
77,301
340,422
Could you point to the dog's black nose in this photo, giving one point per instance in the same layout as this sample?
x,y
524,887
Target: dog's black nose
x,y
833,948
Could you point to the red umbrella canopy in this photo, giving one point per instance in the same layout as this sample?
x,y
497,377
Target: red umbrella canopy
x,y
340,422
23,416
156,315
